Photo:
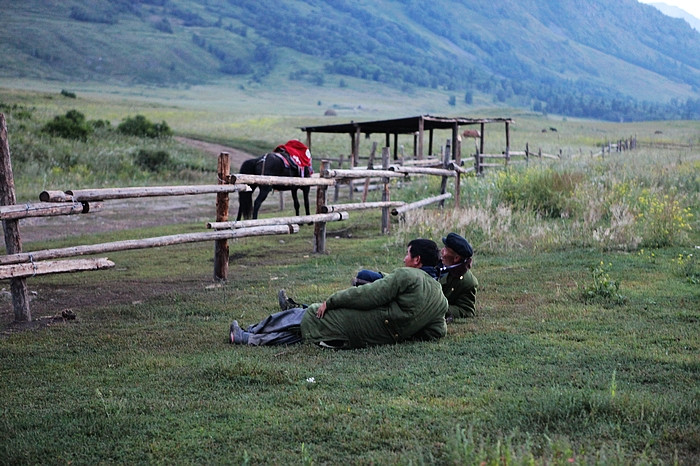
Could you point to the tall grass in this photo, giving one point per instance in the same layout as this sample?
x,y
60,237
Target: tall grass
x,y
602,203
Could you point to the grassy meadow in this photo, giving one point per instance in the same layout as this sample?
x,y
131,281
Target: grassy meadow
x,y
584,349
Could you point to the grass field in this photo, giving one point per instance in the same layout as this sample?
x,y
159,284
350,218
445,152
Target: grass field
x,y
584,349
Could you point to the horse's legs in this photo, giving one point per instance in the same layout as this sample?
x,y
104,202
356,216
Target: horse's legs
x,y
264,191
305,191
296,202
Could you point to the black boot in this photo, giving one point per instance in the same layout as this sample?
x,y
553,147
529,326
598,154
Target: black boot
x,y
286,302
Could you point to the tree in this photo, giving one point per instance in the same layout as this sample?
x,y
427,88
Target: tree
x,y
469,98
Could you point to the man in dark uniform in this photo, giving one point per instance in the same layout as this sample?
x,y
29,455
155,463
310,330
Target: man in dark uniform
x,y
459,285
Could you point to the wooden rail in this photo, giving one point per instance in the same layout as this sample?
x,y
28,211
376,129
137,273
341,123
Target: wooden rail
x,y
421,203
324,217
104,194
51,267
45,209
361,206
281,180
362,173
154,242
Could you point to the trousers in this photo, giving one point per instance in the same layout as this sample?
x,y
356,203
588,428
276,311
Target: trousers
x,y
280,328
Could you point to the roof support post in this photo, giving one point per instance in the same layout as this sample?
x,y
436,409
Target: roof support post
x,y
421,128
430,142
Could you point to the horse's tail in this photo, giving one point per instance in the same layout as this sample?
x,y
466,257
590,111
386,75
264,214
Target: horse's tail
x,y
245,198
245,205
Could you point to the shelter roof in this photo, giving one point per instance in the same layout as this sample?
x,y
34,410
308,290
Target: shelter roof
x,y
402,125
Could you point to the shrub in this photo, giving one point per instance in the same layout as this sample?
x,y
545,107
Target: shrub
x,y
72,125
70,95
152,160
140,126
686,266
546,192
665,221
603,289
99,124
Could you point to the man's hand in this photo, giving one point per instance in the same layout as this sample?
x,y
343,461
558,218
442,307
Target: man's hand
x,y
321,311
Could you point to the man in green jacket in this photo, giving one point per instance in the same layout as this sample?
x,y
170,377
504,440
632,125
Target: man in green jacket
x,y
458,283
407,304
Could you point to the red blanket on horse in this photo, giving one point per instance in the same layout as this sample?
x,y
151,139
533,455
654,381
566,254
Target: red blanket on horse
x,y
298,152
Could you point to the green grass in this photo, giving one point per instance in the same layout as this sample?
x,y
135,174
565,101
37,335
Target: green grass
x,y
542,375
538,372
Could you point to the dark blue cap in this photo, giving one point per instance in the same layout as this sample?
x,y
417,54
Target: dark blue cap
x,y
459,245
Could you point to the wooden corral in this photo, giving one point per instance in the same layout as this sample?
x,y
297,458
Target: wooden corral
x,y
417,126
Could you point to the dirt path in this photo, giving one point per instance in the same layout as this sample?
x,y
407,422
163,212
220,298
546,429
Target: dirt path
x,y
237,156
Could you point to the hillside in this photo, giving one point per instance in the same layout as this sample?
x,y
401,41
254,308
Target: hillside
x,y
615,60
675,12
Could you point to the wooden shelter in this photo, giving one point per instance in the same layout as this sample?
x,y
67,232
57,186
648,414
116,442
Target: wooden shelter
x,y
417,125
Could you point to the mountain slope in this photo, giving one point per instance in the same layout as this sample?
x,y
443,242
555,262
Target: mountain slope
x,y
675,12
610,59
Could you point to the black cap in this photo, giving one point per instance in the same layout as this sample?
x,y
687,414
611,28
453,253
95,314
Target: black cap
x,y
459,245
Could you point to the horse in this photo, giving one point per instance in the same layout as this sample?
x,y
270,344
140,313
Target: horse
x,y
471,133
270,164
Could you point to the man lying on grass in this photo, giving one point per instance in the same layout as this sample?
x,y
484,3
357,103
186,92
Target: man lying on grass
x,y
458,283
407,304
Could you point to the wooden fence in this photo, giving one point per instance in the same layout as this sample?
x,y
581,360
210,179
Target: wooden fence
x,y
18,265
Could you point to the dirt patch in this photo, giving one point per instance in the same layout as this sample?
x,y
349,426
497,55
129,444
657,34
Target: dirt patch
x,y
51,304
127,214
67,303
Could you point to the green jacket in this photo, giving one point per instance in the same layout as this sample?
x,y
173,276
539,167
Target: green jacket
x,y
460,291
406,304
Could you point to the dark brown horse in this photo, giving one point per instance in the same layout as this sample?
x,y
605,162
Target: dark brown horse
x,y
270,164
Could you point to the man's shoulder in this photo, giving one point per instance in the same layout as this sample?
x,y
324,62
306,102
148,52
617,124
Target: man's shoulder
x,y
467,279
407,270
412,272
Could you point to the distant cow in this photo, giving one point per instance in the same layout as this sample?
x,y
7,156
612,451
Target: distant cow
x,y
471,133
658,131
552,129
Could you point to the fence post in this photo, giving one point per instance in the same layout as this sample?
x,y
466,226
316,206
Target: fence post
x,y
370,166
221,255
507,142
320,227
337,186
445,163
458,163
527,154
385,192
13,241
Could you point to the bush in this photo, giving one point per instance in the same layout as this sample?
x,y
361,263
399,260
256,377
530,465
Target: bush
x,y
99,124
603,289
141,127
72,125
70,95
546,192
152,160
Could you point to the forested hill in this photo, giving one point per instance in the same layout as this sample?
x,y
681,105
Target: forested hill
x,y
598,58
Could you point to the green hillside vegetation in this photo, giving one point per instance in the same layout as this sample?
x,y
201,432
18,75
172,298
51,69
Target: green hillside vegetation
x,y
618,61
